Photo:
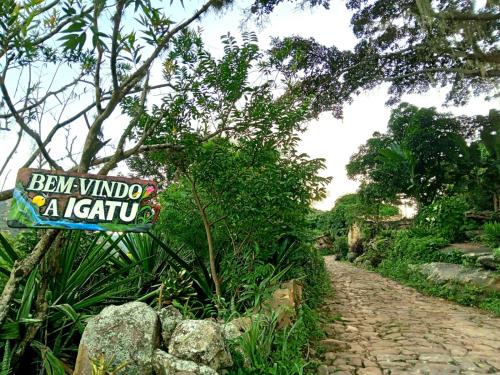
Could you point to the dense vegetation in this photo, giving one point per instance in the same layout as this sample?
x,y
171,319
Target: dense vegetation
x,y
449,167
220,134
232,227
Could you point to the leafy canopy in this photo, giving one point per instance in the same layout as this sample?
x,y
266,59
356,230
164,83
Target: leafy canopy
x,y
412,44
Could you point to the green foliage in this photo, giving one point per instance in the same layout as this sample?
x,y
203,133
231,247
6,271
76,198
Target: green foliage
x,y
393,254
464,294
496,253
246,187
265,349
492,234
446,217
88,272
378,248
340,247
422,156
337,221
414,248
388,210
312,270
412,45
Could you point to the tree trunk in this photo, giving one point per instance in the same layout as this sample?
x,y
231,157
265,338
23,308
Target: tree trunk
x,y
208,232
23,268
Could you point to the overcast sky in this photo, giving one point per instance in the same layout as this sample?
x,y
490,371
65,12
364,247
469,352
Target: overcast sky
x,y
328,138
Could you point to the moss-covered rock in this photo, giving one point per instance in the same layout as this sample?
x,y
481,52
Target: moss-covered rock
x,y
126,334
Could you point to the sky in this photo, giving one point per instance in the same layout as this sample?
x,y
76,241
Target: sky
x,y
329,138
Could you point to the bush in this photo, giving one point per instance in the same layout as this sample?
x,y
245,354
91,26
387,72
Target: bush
x,y
492,234
377,248
408,247
265,349
421,249
340,247
445,217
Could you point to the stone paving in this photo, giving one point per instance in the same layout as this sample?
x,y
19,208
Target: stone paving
x,y
386,328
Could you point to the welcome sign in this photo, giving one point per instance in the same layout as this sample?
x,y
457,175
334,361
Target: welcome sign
x,y
56,199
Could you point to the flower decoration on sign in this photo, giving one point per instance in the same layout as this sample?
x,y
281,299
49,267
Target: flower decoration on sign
x,y
148,191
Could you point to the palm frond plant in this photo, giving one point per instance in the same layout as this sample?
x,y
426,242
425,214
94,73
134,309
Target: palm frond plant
x,y
89,271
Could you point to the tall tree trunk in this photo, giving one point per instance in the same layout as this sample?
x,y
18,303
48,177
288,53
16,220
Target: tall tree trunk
x,y
208,232
23,268
49,267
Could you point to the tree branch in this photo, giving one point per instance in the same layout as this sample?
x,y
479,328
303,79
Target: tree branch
x,y
22,124
114,41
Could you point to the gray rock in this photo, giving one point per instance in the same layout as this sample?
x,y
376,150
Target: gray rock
x,y
236,328
169,318
488,262
444,272
126,334
200,341
167,364
467,249
351,256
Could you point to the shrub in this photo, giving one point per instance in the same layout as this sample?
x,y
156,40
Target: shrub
x,y
340,247
409,247
377,248
265,349
445,217
492,234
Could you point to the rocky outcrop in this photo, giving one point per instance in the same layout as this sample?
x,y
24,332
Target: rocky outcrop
x,y
446,272
355,242
235,328
200,341
169,318
140,340
166,364
284,302
127,334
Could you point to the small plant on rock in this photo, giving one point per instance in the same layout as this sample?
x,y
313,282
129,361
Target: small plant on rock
x,y
102,366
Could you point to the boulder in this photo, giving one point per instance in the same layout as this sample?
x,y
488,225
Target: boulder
x,y
488,262
169,318
127,334
467,249
200,341
354,235
166,364
355,242
445,272
285,301
236,328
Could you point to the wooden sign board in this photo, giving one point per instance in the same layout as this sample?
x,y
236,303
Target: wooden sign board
x,y
56,199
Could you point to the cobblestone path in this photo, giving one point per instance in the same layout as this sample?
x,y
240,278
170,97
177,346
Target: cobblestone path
x,y
386,328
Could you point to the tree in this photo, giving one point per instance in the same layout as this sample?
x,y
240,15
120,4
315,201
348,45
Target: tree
x,y
71,65
246,185
484,178
424,154
239,194
412,44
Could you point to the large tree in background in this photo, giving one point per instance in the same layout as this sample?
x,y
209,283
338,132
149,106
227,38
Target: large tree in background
x,y
424,154
411,44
